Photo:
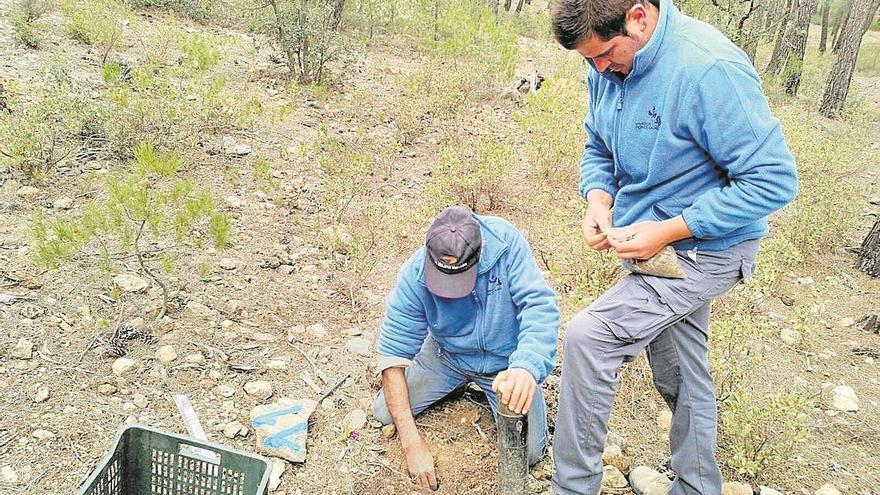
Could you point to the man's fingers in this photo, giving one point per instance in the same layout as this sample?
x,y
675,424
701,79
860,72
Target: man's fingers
x,y
524,398
498,382
515,395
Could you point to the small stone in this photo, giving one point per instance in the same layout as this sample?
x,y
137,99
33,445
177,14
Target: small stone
x,y
232,429
260,389
123,366
846,322
766,490
233,202
130,283
355,420
166,354
198,311
242,149
262,337
63,203
24,349
43,435
874,200
128,407
789,336
359,346
615,440
613,456
317,331
736,488
389,430
664,419
286,269
225,391
647,481
227,264
235,306
844,399
353,332
9,475
613,478
805,281
276,364
42,395
828,489
195,358
106,389
278,468
27,192
140,400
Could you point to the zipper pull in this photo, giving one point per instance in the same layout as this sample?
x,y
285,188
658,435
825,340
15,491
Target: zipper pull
x,y
620,101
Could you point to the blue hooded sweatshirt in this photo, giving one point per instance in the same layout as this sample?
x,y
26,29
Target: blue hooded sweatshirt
x,y
688,132
510,320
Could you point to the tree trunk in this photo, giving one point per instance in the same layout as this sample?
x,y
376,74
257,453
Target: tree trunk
x,y
507,5
858,21
798,45
843,21
869,257
519,6
823,39
336,15
780,48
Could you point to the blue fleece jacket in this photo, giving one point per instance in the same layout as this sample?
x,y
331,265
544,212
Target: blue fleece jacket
x,y
688,132
510,320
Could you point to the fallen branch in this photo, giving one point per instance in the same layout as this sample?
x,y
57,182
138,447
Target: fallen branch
x,y
321,375
334,387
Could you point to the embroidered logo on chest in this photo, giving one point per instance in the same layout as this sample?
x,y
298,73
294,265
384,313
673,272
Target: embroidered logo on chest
x,y
652,123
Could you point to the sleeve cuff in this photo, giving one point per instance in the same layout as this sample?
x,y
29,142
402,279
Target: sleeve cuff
x,y
612,191
386,362
693,224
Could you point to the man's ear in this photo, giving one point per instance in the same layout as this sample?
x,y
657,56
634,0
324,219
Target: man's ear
x,y
639,15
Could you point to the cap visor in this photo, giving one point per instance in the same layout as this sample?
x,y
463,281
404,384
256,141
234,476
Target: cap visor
x,y
450,286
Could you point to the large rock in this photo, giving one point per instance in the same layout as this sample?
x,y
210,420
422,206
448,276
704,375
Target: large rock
x,y
828,489
130,283
736,488
124,366
844,399
260,389
612,478
282,427
647,481
24,349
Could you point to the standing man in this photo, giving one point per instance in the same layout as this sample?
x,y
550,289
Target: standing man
x,y
469,306
682,145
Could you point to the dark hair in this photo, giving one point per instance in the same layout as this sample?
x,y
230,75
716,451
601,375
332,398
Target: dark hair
x,y
575,20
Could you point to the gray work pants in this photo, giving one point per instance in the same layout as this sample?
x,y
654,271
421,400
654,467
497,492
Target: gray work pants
x,y
670,318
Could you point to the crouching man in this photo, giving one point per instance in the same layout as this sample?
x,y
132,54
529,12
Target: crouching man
x,y
471,305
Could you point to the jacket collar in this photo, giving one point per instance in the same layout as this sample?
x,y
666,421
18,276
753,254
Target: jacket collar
x,y
493,246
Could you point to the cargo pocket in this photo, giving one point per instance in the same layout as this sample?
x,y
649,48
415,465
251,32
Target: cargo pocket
x,y
748,268
631,310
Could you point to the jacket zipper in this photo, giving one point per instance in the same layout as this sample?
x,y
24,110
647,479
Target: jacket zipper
x,y
617,119
480,332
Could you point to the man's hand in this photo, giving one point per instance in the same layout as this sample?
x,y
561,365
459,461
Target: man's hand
x,y
597,221
516,388
642,240
420,464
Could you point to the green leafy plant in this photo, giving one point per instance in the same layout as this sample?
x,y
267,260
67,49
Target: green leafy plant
x,y
471,174
26,26
144,205
95,22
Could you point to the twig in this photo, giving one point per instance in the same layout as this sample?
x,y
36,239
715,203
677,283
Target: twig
x,y
321,375
334,387
149,272
308,381
480,431
71,368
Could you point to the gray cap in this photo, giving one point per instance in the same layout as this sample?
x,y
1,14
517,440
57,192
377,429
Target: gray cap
x,y
452,253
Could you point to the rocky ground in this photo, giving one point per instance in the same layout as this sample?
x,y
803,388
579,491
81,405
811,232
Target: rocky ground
x,y
278,315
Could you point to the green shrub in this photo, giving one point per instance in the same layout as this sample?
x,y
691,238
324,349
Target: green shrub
x,y
307,35
46,125
471,174
24,17
760,434
95,22
199,52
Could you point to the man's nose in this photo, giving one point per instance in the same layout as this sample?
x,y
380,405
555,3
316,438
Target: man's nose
x,y
601,63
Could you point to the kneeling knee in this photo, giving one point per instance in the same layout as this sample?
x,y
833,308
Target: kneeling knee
x,y
380,409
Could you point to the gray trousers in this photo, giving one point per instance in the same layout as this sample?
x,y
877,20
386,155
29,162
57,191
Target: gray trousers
x,y
671,319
